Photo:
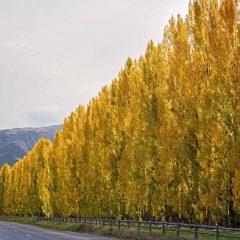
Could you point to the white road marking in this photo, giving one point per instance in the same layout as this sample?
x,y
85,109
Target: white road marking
x,y
15,230
77,237
55,233
27,235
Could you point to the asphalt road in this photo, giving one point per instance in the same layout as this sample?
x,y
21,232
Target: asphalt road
x,y
16,231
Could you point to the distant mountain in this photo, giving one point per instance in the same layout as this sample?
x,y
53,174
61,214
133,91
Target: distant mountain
x,y
15,143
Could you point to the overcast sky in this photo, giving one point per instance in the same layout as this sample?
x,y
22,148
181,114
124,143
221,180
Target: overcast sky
x,y
57,54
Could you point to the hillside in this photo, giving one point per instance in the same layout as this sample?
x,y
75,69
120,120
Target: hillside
x,y
15,143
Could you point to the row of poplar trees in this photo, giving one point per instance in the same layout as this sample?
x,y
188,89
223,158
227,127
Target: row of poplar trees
x,y
161,142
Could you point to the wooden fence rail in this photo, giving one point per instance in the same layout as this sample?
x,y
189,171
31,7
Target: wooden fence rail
x,y
153,226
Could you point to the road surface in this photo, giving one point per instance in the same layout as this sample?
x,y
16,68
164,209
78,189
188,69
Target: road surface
x,y
16,231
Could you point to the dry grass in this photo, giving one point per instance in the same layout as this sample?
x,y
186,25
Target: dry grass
x,y
124,233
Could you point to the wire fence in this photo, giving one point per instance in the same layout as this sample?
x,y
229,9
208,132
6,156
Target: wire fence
x,y
164,228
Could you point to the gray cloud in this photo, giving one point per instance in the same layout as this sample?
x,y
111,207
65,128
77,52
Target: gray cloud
x,y
61,52
44,116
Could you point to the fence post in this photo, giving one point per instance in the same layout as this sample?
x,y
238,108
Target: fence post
x,y
150,226
138,224
163,228
119,226
217,232
195,231
178,228
128,223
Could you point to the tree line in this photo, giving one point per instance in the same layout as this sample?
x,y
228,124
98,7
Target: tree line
x,y
161,142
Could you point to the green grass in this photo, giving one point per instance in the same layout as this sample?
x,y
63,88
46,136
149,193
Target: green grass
x,y
123,233
188,234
